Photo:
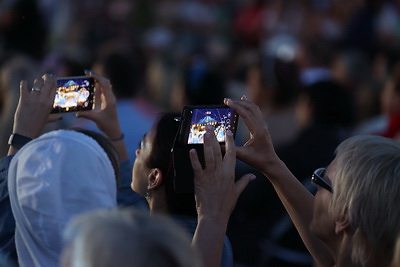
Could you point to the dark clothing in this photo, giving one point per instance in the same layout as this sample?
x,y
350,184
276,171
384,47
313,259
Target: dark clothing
x,y
312,149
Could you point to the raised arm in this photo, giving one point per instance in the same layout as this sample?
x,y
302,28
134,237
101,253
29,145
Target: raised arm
x,y
259,152
105,115
216,194
33,108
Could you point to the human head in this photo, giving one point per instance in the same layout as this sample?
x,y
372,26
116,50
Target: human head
x,y
123,73
366,191
126,237
107,147
326,104
153,170
390,97
52,179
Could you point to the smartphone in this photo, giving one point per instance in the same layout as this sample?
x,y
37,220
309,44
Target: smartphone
x,y
194,120
74,94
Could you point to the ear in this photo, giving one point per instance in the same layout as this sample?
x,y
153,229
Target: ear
x,y
154,179
342,225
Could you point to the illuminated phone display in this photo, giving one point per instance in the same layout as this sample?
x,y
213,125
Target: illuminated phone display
x,y
221,119
74,94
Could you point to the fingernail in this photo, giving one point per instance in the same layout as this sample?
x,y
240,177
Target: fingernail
x,y
253,177
244,97
226,100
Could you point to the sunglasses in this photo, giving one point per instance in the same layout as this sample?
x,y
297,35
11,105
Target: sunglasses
x,y
319,180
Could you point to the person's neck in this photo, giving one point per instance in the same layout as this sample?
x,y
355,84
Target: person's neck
x,y
158,203
343,256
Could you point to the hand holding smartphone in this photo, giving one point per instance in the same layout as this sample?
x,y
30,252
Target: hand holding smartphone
x,y
194,121
74,94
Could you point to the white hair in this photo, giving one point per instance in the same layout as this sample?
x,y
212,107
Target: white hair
x,y
367,190
127,237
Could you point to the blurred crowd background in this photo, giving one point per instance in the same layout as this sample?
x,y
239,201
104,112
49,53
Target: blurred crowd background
x,y
320,70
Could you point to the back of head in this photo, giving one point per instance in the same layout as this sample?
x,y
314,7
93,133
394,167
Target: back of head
x,y
52,179
127,238
332,104
367,189
123,74
203,85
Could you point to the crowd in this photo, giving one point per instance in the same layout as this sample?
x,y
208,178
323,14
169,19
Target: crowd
x,y
321,81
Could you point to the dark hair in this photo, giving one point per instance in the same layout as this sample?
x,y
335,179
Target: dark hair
x,y
332,104
123,74
161,157
203,84
107,147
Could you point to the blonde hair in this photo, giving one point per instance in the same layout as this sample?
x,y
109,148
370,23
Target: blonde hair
x,y
367,189
127,237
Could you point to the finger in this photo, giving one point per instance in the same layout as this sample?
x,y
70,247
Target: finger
x,y
103,82
23,89
230,149
249,112
194,159
89,114
209,157
215,146
103,86
49,85
243,182
54,117
37,85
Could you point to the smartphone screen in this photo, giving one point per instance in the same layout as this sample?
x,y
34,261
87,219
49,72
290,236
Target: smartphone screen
x,y
74,94
221,119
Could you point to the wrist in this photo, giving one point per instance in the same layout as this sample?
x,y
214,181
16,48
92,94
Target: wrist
x,y
219,222
27,131
274,169
118,138
18,140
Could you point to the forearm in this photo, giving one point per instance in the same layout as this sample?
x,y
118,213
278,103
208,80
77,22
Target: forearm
x,y
298,202
208,240
120,146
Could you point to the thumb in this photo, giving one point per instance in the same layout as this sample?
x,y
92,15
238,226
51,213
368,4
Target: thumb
x,y
90,115
243,182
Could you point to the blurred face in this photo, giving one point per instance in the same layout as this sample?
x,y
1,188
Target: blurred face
x,y
140,170
323,222
390,100
303,112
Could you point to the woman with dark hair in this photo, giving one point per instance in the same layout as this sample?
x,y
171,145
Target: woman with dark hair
x,y
153,177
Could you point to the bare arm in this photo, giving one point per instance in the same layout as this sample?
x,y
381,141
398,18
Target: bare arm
x,y
259,152
105,115
216,194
